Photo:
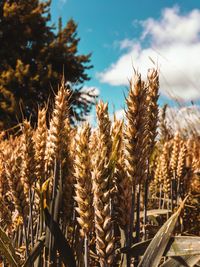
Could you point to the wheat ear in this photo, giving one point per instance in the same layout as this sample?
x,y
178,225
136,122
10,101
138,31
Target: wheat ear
x,y
68,174
136,146
83,186
56,133
40,145
101,177
13,172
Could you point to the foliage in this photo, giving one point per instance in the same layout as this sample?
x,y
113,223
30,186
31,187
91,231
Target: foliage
x,y
34,57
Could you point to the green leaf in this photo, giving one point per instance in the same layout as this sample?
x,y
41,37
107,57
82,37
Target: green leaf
x,y
157,246
7,249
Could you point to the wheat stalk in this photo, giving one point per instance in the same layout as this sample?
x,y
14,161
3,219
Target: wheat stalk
x,y
53,157
40,145
13,172
152,109
174,154
165,171
101,177
56,133
83,186
181,159
68,174
136,146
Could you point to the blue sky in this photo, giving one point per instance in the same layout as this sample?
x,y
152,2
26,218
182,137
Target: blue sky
x,y
122,34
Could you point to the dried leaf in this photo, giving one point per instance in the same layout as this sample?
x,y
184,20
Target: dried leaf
x,y
157,246
177,246
7,249
179,261
35,252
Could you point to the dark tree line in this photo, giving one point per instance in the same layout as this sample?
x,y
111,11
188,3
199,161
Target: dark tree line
x,y
33,59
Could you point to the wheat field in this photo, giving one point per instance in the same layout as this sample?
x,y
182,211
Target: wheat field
x,y
115,195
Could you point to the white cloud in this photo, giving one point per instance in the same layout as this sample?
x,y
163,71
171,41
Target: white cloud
x,y
173,28
89,93
120,114
126,43
174,46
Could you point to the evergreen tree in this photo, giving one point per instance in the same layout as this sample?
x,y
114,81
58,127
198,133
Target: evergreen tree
x,y
33,59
